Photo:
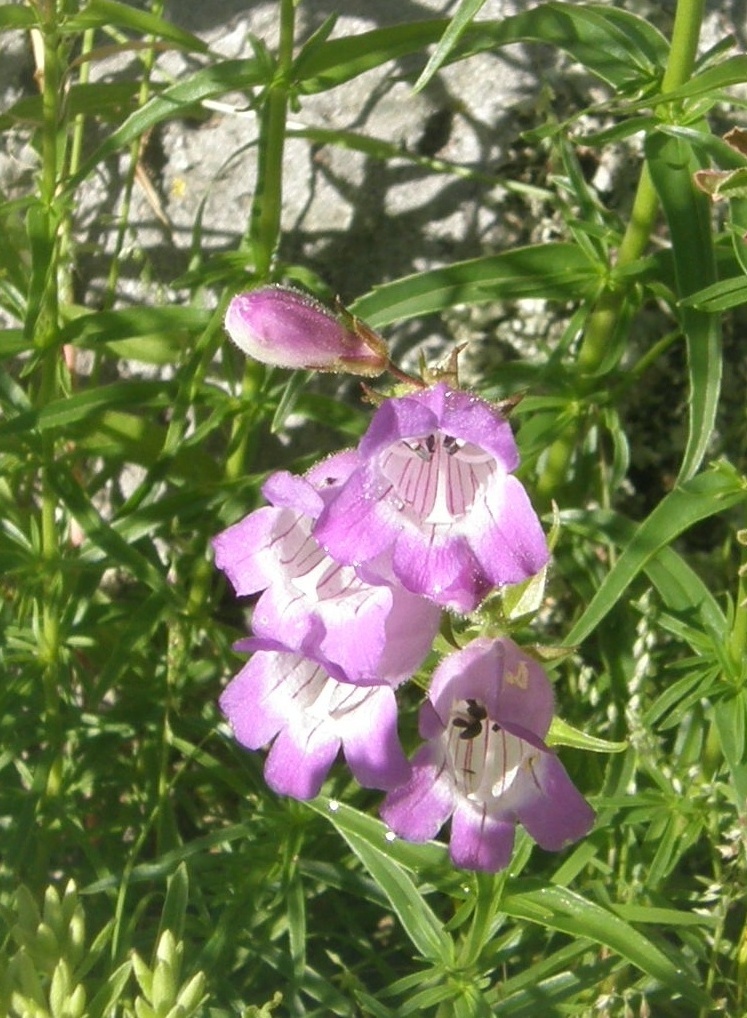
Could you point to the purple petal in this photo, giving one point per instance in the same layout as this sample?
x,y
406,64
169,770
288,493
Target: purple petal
x,y
245,552
506,535
552,808
287,491
300,760
418,809
254,702
371,744
333,470
478,840
355,526
526,698
512,686
444,570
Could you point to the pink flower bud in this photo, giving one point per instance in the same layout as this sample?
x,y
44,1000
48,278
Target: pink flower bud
x,y
289,329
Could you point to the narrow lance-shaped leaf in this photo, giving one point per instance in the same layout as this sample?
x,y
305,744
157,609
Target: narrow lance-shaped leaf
x,y
672,166
549,271
369,844
466,12
707,495
228,76
560,909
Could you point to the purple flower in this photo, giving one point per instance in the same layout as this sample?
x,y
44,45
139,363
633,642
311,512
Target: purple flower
x,y
312,604
290,700
289,329
433,495
485,764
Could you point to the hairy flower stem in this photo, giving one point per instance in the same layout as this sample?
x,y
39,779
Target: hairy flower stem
x,y
605,318
264,224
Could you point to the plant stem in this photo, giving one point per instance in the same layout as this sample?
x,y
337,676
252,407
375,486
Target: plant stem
x,y
605,318
45,337
738,635
264,223
268,197
136,150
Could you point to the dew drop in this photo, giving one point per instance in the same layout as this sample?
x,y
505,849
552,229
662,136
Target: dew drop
x,y
390,836
333,805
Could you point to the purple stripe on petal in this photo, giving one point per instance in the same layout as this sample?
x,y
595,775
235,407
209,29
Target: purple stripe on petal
x,y
299,761
418,809
554,811
478,840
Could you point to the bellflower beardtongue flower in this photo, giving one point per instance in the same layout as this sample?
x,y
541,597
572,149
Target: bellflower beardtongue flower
x,y
288,699
289,329
435,492
361,633
484,763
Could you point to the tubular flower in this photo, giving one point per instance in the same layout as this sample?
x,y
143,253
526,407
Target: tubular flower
x,y
290,700
485,764
433,495
289,329
361,633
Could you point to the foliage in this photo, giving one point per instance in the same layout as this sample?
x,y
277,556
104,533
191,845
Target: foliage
x,y
146,870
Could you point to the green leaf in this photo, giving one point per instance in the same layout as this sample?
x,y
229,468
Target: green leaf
x,y
730,715
563,734
551,271
175,101
679,587
175,905
100,13
465,13
81,406
558,908
732,71
368,841
103,99
723,296
622,49
339,60
16,15
706,495
101,534
155,335
672,165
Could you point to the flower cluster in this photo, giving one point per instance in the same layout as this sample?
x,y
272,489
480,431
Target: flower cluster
x,y
353,564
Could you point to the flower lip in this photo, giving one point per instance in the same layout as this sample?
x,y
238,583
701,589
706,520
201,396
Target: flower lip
x,y
287,328
366,633
433,490
290,701
484,762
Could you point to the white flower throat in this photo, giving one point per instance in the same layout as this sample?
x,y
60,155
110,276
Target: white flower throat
x,y
485,760
438,477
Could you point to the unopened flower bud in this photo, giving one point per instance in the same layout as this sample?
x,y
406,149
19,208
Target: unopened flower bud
x,y
289,329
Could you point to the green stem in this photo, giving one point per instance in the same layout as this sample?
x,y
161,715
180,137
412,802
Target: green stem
x,y
738,635
136,148
605,318
264,223
268,198
45,336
